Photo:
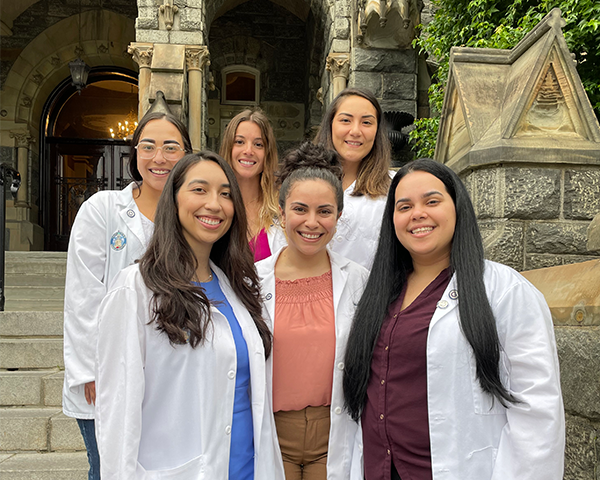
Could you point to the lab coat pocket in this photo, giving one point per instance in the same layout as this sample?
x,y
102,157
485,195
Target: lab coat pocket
x,y
484,403
192,470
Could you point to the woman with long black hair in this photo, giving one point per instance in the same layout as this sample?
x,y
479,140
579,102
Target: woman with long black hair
x,y
182,345
451,362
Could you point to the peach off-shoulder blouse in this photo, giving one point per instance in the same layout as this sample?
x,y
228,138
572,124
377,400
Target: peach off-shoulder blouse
x,y
303,343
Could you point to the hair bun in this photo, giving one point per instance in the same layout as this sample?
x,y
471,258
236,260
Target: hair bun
x,y
309,155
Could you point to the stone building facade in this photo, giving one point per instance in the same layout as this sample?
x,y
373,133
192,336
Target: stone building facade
x,y
210,58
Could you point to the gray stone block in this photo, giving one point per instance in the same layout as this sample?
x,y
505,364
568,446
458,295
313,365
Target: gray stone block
x,y
370,81
25,428
485,195
593,233
400,86
340,46
503,242
341,27
582,194
21,388
542,260
23,324
399,105
145,24
380,60
149,34
186,38
532,193
52,386
557,237
31,353
582,445
65,434
45,466
579,355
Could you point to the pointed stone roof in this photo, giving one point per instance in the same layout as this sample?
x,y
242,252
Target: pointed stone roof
x,y
524,104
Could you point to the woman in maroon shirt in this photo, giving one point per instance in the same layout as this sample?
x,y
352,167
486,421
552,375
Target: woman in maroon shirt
x,y
451,361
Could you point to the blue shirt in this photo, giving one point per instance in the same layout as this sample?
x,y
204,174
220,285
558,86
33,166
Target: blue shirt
x,y
241,456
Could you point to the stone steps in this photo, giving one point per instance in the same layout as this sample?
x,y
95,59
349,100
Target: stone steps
x,y
35,281
44,466
37,441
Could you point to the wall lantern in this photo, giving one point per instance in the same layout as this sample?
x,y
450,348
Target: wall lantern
x,y
79,73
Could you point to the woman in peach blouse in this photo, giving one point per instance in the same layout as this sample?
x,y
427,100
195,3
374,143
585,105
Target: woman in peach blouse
x,y
310,295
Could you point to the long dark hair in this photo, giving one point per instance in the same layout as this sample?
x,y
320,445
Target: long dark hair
x,y
391,267
135,139
181,309
310,162
373,178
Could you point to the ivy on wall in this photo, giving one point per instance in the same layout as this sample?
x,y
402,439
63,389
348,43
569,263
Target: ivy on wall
x,y
502,24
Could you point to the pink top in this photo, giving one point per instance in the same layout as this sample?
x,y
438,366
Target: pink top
x,y
303,343
260,246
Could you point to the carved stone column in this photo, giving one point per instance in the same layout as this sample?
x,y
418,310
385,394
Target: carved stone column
x,y
142,54
196,57
23,141
338,65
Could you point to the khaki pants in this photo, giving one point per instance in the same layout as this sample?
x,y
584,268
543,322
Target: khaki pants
x,y
303,438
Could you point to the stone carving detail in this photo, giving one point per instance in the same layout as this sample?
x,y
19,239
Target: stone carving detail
x,y
23,138
197,58
37,78
55,61
26,101
79,51
141,54
319,96
549,111
388,23
102,48
167,13
338,64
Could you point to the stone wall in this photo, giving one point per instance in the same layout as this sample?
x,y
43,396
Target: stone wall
x,y
390,74
281,43
42,15
535,216
573,295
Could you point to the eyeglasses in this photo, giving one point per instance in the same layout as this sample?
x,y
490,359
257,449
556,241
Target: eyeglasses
x,y
170,151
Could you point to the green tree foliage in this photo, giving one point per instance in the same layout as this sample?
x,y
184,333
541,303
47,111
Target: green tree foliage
x,y
502,24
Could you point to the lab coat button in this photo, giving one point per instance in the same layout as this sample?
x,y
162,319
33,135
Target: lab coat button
x,y
231,374
227,429
130,213
453,294
268,296
339,238
442,304
337,410
341,365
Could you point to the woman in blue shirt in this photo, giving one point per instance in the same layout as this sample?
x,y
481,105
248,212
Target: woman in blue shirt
x,y
182,343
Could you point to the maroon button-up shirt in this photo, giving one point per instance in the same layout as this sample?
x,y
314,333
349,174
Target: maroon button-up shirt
x,y
395,422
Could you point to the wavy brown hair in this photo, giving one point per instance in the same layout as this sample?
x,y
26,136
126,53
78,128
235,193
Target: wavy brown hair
x,y
373,178
181,309
268,208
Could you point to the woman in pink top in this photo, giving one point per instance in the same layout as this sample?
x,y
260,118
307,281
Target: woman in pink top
x,y
310,294
249,147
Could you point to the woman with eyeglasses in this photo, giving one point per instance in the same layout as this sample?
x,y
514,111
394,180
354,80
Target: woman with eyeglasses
x,y
110,232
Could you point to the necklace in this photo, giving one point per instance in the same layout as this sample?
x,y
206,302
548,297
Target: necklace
x,y
210,277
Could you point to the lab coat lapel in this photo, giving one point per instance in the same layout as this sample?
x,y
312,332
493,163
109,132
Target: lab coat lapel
x,y
256,354
339,277
131,216
447,304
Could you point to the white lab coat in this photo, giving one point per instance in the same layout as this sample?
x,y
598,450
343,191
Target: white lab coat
x,y
358,228
344,458
91,265
473,438
165,412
